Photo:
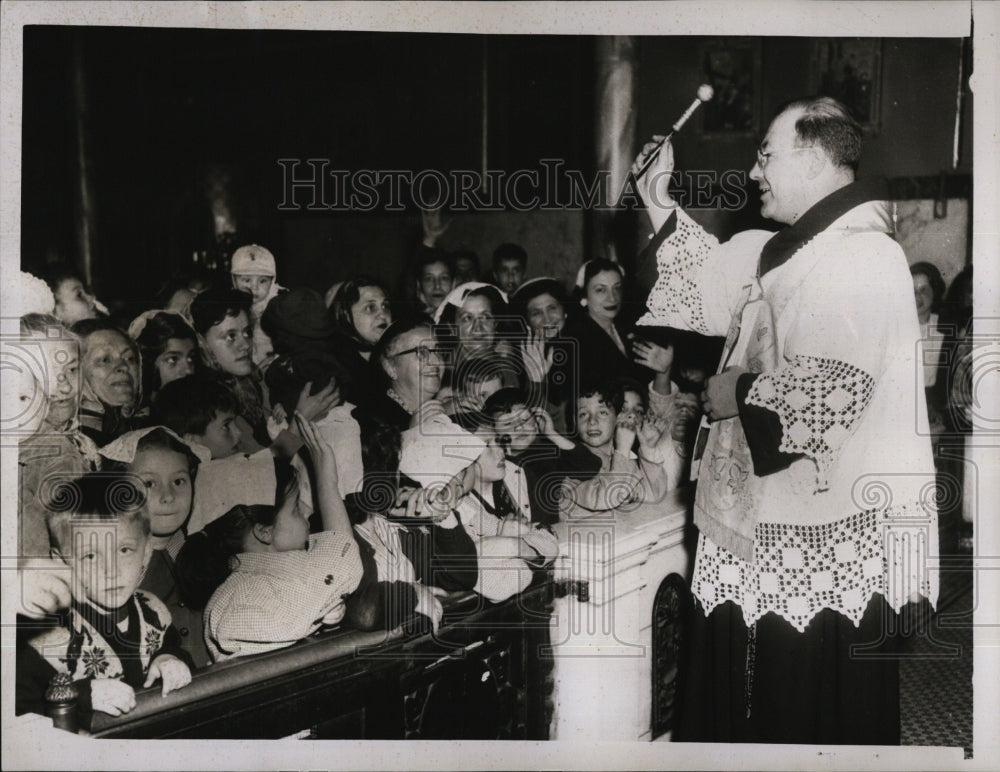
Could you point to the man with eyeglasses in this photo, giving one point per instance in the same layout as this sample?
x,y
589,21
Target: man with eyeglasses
x,y
812,502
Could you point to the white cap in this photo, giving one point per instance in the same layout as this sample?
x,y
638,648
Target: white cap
x,y
253,260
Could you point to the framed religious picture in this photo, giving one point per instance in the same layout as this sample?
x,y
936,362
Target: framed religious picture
x,y
850,70
732,67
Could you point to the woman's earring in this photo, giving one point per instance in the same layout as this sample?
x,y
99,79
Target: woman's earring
x,y
583,302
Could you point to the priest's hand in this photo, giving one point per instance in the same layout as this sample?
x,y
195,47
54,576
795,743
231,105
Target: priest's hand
x,y
653,185
719,397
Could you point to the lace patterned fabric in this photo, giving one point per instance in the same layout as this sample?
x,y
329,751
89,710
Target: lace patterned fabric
x,y
677,292
819,403
798,570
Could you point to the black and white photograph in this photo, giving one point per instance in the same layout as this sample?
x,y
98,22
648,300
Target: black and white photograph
x,y
565,385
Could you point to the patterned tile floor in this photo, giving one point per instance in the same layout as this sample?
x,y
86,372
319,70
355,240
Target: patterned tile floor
x,y
936,672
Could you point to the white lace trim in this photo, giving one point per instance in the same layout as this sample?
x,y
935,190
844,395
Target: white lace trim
x,y
818,401
679,260
799,570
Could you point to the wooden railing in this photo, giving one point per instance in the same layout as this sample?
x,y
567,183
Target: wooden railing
x,y
481,676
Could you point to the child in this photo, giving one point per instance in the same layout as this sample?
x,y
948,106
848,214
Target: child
x,y
168,346
530,440
73,300
497,515
116,638
609,433
167,467
509,264
202,411
267,582
253,270
674,411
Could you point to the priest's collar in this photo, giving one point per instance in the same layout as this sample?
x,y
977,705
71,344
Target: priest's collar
x,y
818,218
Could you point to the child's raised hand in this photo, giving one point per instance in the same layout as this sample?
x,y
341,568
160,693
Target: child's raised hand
x,y
624,436
322,452
650,431
173,671
428,603
314,406
656,358
111,696
544,421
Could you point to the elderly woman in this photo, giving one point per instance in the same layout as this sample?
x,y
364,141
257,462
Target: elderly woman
x,y
110,394
400,480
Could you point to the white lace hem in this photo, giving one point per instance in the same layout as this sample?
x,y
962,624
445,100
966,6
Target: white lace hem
x,y
799,570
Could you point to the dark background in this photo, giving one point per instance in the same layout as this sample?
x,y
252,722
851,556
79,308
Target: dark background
x,y
160,109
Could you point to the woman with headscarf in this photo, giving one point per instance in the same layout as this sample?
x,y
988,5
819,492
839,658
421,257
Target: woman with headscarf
x,y
111,389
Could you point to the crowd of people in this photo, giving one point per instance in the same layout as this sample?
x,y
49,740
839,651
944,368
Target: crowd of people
x,y
246,464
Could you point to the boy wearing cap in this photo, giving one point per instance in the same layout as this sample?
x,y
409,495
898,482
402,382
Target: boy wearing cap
x,y
253,270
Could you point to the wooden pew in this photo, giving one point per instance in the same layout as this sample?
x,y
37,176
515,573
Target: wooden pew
x,y
482,676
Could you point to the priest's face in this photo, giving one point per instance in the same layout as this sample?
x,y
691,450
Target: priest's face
x,y
782,171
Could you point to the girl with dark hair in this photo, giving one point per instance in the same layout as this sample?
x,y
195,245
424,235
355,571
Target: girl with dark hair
x,y
169,349
264,582
362,314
